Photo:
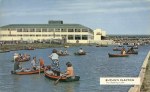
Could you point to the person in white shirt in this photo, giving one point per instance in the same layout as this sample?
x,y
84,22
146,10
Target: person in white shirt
x,y
55,62
81,50
33,63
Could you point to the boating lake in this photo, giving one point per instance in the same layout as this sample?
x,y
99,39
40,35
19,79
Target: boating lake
x,y
90,68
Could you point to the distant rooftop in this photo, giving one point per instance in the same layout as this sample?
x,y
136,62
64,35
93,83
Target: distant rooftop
x,y
51,24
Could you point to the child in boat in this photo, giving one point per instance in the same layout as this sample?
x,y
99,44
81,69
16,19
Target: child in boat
x,y
41,61
70,70
55,62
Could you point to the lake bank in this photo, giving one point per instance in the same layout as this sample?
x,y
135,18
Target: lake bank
x,y
23,46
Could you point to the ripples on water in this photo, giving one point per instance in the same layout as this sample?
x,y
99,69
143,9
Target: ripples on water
x,y
90,67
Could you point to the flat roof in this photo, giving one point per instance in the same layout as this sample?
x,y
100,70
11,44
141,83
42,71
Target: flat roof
x,y
44,26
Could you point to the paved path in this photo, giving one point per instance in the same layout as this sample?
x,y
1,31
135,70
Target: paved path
x,y
146,84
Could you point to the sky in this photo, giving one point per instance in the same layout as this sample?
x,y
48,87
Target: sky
x,y
113,16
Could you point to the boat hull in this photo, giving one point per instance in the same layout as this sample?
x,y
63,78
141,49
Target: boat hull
x,y
77,53
63,79
27,72
118,55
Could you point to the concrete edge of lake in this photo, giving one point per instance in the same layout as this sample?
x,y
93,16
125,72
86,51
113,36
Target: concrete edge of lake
x,y
142,74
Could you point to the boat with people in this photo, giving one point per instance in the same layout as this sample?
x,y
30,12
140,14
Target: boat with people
x,y
118,55
80,53
49,74
21,58
132,52
28,72
63,54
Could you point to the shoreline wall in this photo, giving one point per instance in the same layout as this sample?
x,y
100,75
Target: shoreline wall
x,y
136,88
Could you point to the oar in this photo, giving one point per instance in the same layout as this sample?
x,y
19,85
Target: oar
x,y
56,82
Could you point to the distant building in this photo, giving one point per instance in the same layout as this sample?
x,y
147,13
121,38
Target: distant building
x,y
99,34
71,33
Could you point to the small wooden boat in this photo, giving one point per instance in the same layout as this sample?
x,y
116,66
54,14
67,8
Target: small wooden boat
x,y
135,52
118,55
80,53
24,59
63,79
63,54
28,72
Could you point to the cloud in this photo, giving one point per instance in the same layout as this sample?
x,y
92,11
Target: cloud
x,y
82,7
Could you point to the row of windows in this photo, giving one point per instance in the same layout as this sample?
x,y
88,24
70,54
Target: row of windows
x,y
70,37
50,30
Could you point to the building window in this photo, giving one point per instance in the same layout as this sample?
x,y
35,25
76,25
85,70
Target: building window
x,y
26,35
19,30
77,30
84,30
51,30
44,29
50,35
70,37
19,35
57,30
32,30
44,35
64,30
32,35
38,35
70,30
38,30
25,30
77,37
84,37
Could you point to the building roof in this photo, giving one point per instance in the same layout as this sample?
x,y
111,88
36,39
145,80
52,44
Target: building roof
x,y
44,26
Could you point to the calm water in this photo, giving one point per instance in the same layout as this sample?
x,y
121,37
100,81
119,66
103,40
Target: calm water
x,y
90,67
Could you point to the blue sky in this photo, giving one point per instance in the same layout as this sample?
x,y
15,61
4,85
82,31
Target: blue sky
x,y
113,16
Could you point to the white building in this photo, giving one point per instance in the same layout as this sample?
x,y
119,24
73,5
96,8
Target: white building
x,y
72,33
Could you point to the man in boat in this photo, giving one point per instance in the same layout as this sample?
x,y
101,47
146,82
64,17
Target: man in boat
x,y
81,50
60,52
16,55
123,51
17,66
55,62
33,63
65,52
70,70
131,50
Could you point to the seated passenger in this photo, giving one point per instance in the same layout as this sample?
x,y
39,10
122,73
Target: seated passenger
x,y
81,50
70,70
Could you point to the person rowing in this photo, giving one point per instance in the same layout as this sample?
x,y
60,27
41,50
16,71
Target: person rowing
x,y
70,70
55,62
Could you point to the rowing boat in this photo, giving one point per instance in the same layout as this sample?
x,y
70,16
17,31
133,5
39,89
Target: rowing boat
x,y
27,72
118,55
51,76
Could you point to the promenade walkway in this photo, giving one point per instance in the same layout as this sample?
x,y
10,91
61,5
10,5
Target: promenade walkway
x,y
146,84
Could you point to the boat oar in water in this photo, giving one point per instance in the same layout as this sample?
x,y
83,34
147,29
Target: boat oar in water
x,y
56,82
